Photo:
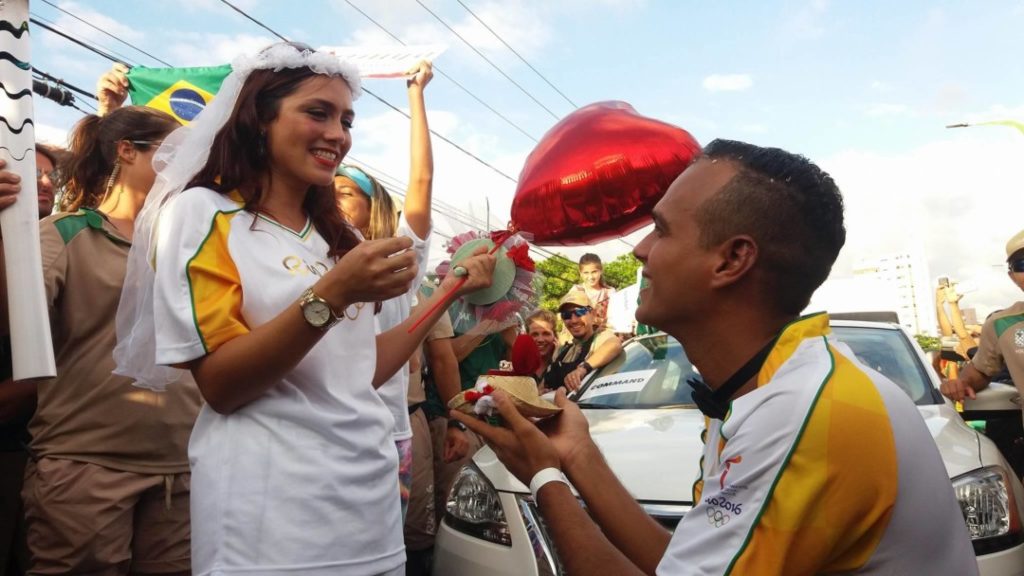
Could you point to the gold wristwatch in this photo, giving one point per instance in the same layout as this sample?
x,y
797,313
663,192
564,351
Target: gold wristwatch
x,y
317,311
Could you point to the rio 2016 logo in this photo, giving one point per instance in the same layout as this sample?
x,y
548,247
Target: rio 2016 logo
x,y
724,504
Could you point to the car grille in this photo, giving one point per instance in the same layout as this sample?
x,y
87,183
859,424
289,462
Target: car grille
x,y
548,563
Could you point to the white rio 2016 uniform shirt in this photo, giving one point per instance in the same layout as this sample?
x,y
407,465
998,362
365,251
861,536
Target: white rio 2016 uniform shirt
x,y
302,480
393,312
826,468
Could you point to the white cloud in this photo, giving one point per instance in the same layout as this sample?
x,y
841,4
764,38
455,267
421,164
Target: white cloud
x,y
753,128
806,21
879,86
215,5
996,113
51,134
886,109
727,82
80,30
954,200
195,49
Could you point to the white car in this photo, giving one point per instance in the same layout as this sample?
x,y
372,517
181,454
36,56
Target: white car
x,y
642,417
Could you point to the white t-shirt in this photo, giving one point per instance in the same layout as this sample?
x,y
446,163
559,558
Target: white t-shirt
x,y
826,468
393,312
301,480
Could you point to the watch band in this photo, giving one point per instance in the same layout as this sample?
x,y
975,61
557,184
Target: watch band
x,y
546,476
586,366
309,296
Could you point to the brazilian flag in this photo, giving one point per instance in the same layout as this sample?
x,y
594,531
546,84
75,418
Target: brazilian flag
x,y
181,92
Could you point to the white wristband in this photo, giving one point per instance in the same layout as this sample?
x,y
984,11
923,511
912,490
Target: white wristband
x,y
546,476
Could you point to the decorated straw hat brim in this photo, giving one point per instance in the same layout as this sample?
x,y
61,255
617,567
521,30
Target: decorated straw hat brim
x,y
522,390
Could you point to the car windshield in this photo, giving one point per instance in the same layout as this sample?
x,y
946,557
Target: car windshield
x,y
652,371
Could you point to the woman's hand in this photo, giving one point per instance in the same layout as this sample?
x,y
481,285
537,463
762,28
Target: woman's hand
x,y
112,89
10,186
421,74
373,271
478,270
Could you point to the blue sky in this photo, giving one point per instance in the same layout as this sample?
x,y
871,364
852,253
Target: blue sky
x,y
863,88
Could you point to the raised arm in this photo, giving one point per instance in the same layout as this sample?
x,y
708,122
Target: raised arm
x,y
112,89
421,167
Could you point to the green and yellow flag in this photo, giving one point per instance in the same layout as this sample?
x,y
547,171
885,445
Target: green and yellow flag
x,y
181,92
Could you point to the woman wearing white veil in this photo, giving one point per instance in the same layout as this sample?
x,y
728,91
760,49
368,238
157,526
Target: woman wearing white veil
x,y
260,290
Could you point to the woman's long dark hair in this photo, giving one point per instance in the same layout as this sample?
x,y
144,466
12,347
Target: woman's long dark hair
x,y
238,155
93,150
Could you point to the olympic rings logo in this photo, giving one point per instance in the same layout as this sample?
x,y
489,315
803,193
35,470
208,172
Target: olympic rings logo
x,y
717,518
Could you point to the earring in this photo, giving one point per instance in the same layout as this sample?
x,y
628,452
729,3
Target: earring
x,y
261,145
113,177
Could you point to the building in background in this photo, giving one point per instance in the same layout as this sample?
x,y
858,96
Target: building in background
x,y
907,277
898,283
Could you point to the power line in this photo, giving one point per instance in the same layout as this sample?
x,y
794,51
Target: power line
x,y
98,29
446,76
67,85
457,215
441,136
489,29
255,21
383,101
76,41
486,59
107,51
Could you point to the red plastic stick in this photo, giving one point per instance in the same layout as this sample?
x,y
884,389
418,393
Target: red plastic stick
x,y
450,295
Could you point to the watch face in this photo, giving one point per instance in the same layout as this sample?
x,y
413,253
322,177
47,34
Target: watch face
x,y
317,313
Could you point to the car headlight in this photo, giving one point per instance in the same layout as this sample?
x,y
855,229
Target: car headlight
x,y
989,508
474,508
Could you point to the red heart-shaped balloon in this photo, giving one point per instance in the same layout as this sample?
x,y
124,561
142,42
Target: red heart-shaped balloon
x,y
597,175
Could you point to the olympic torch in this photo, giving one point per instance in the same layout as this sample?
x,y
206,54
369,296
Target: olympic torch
x,y
31,345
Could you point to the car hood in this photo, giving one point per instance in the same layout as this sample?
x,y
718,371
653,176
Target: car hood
x,y
655,453
958,443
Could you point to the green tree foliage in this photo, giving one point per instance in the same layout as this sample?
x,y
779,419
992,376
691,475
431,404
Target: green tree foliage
x,y
621,272
560,274
927,343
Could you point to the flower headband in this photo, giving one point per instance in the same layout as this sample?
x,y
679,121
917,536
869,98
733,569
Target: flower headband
x,y
358,176
283,55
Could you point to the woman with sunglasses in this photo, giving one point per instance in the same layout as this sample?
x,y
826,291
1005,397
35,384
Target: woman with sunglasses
x,y
267,296
591,347
368,207
107,489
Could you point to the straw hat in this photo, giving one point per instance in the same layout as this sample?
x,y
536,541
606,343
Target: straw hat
x,y
522,390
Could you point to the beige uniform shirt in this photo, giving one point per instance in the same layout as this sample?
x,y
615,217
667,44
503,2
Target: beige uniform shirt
x,y
87,413
575,348
442,329
1002,344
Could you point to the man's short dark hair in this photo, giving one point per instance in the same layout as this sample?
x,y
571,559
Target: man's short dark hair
x,y
791,208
